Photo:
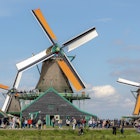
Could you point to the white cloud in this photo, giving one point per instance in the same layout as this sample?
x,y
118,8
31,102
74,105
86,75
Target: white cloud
x,y
103,91
106,102
128,103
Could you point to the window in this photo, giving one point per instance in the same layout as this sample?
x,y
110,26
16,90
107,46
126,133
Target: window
x,y
51,107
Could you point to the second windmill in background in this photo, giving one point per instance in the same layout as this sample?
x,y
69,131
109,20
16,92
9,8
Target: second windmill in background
x,y
136,84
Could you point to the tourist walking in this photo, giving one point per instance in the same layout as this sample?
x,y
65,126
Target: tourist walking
x,y
53,121
90,124
44,123
67,122
73,123
29,121
121,129
14,122
39,123
83,121
114,128
60,123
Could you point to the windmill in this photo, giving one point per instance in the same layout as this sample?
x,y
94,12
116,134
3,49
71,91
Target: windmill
x,y
137,105
56,51
12,103
54,59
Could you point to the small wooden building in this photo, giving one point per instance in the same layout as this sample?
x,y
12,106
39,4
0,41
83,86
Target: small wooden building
x,y
52,105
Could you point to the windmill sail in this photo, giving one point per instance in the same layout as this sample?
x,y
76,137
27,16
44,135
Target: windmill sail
x,y
71,73
128,82
7,100
137,105
34,60
81,39
4,87
45,26
17,80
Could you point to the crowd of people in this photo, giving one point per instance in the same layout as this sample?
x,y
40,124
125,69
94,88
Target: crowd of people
x,y
16,122
80,123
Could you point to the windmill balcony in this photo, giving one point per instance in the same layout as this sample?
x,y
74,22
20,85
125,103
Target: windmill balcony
x,y
31,95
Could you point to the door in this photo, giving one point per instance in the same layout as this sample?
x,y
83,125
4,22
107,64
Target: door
x,y
48,120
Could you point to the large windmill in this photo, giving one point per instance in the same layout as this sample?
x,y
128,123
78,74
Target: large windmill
x,y
57,70
137,105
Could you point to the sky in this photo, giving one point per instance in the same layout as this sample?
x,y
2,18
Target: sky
x,y
100,62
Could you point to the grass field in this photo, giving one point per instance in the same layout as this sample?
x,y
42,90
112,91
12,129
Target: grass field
x,y
57,134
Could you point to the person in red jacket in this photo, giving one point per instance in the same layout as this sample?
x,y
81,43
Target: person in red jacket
x,y
29,122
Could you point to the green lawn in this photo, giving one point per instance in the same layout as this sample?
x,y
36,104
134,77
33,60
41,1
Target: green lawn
x,y
57,134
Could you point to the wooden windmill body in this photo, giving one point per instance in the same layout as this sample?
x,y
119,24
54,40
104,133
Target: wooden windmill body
x,y
52,76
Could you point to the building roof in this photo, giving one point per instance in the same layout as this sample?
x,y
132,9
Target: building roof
x,y
52,103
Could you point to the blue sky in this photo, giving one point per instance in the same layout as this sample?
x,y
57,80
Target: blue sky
x,y
100,62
